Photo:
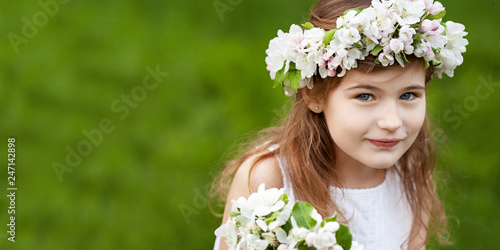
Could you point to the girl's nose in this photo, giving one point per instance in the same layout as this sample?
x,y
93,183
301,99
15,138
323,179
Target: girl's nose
x,y
390,118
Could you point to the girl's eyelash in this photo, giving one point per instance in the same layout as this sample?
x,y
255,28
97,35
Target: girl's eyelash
x,y
368,97
415,95
364,96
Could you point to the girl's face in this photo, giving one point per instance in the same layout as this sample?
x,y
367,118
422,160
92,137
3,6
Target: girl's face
x,y
374,118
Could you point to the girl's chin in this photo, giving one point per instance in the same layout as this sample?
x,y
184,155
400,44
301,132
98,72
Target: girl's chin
x,y
380,160
380,165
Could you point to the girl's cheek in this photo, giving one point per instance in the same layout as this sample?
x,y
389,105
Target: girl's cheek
x,y
415,120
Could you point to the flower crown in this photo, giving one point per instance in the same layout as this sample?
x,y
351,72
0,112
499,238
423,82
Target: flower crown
x,y
388,29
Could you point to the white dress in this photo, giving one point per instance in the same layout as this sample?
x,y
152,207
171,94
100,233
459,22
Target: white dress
x,y
379,218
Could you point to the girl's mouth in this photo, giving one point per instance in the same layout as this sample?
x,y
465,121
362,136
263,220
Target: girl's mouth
x,y
385,143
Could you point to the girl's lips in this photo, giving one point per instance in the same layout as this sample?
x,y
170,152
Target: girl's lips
x,y
384,143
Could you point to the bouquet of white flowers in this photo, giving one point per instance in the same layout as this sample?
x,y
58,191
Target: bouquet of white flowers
x,y
267,220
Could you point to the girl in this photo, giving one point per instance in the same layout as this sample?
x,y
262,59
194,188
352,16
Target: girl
x,y
356,140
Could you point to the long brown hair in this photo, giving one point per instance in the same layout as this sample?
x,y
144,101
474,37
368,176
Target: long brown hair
x,y
307,146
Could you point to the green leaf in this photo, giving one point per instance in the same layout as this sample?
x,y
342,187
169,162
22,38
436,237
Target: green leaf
x,y
356,9
357,45
283,198
445,27
234,214
303,246
294,77
329,36
308,25
301,212
376,50
326,220
329,219
280,76
335,217
344,237
417,38
415,26
399,59
404,57
437,16
426,64
436,62
273,217
288,226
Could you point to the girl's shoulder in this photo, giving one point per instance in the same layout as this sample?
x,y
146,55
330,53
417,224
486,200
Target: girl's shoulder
x,y
256,170
266,170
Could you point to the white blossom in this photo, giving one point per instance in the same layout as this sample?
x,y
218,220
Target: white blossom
x,y
429,25
424,50
356,246
263,230
332,226
277,52
409,49
310,237
299,233
428,3
283,247
338,247
409,12
360,21
436,8
385,59
347,59
313,39
261,203
324,239
282,218
435,39
448,61
306,50
262,224
348,35
281,235
455,36
307,64
229,231
254,242
406,34
344,20
396,45
395,25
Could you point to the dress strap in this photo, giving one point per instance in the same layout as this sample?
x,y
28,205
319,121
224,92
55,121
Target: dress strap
x,y
287,185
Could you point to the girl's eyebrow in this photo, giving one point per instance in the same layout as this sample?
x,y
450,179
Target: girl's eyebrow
x,y
364,86
412,87
371,87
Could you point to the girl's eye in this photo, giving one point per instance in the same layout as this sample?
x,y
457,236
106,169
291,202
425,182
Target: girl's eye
x,y
408,96
365,97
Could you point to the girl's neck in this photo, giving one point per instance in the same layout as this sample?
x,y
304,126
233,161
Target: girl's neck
x,y
352,174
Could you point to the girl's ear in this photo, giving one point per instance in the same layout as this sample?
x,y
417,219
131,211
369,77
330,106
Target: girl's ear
x,y
314,105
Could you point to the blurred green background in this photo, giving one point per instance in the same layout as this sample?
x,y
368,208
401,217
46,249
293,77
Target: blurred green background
x,y
67,67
